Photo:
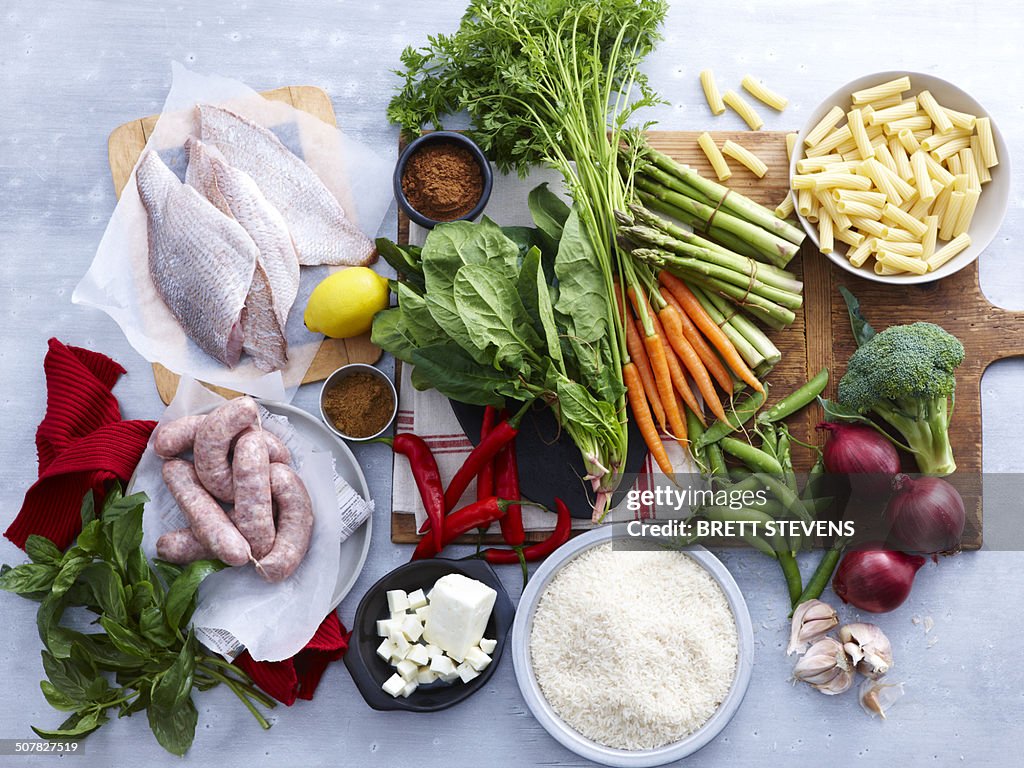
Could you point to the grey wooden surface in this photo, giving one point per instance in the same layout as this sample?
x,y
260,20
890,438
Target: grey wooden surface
x,y
72,71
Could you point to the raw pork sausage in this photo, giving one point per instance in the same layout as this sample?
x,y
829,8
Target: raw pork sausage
x,y
176,436
209,523
294,524
180,547
213,441
253,513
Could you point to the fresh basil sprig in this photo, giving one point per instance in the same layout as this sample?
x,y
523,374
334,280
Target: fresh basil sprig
x,y
146,657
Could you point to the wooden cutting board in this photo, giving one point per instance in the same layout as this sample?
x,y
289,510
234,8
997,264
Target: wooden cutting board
x,y
124,146
821,335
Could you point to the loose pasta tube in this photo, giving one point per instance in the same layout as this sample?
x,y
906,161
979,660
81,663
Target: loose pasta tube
x,y
714,99
828,180
948,251
951,215
937,172
986,142
938,139
785,209
747,158
966,213
791,140
884,156
935,111
855,119
830,142
868,95
900,157
743,109
950,148
919,165
804,201
885,102
870,227
762,93
902,263
916,123
841,220
824,126
814,164
714,156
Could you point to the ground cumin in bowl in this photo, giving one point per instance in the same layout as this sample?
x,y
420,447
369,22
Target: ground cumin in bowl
x,y
442,176
358,402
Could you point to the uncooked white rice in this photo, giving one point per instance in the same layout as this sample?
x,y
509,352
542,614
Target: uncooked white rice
x,y
634,650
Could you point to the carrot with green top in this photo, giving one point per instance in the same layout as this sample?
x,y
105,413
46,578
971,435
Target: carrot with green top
x,y
642,416
706,354
674,332
635,347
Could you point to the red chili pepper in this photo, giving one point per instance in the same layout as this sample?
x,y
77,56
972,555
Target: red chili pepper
x,y
506,485
474,515
540,550
485,480
428,480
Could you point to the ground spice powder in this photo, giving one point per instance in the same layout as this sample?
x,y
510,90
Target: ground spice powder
x,y
359,405
443,181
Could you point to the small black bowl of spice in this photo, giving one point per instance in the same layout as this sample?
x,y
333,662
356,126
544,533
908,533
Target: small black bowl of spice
x,y
358,402
442,176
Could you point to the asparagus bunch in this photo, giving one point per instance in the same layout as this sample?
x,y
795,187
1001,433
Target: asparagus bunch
x,y
727,217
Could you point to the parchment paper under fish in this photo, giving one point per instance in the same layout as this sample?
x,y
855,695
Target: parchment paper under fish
x,y
276,278
321,231
201,261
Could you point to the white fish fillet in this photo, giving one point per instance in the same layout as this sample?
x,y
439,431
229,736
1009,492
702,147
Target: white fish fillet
x,y
276,279
321,231
201,261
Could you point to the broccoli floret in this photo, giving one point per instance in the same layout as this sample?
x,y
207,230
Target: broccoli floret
x,y
905,374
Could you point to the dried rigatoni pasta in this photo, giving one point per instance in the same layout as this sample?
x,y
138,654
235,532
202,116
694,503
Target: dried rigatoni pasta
x,y
824,126
826,236
860,135
764,94
868,95
922,179
711,94
930,236
791,141
984,175
899,111
961,119
753,163
785,209
895,215
902,263
743,108
938,115
714,156
948,251
986,142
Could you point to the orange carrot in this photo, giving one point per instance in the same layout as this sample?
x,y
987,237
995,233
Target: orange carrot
x,y
700,346
674,332
662,375
636,351
710,329
642,416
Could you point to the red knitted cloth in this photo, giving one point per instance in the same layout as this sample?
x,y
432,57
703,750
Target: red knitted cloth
x,y
299,675
82,444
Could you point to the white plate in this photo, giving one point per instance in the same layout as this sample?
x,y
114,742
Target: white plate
x,y
995,195
355,547
577,742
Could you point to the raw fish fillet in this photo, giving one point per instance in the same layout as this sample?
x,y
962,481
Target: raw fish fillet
x,y
201,261
276,279
321,231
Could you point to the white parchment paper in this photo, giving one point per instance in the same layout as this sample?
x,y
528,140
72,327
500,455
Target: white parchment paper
x,y
236,608
118,280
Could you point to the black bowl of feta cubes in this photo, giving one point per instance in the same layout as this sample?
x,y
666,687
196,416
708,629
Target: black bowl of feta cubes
x,y
429,634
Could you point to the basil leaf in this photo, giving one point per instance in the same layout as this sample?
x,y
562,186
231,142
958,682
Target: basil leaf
x,y
124,639
93,541
153,626
174,685
107,589
138,568
42,551
79,724
181,595
862,330
68,676
29,579
103,652
143,596
174,728
495,316
125,533
549,213
69,573
57,698
48,625
88,510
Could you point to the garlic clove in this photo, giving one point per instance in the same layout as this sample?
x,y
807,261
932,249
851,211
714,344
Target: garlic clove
x,y
826,667
877,698
869,649
812,620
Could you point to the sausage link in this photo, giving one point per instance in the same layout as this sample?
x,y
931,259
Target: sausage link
x,y
294,524
176,436
208,521
181,547
275,445
213,442
253,512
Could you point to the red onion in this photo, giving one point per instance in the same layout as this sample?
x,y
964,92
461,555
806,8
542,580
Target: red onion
x,y
925,514
857,449
876,580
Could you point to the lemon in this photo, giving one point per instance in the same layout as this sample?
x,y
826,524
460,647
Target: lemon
x,y
343,304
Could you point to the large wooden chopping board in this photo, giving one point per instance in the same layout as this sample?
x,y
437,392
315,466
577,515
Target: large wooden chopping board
x,y
821,336
124,146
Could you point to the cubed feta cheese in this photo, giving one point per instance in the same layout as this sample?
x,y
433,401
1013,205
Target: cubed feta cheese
x,y
466,672
383,627
407,669
451,677
394,685
433,650
399,616
442,665
386,649
421,613
476,658
412,627
488,646
410,686
401,646
425,676
459,610
398,601
417,599
418,655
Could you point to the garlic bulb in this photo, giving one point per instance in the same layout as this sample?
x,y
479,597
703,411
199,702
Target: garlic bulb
x,y
868,647
876,698
826,667
811,621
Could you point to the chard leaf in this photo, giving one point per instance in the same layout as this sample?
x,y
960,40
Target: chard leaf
x,y
549,213
583,300
546,311
525,238
526,287
422,327
391,333
452,372
578,406
495,317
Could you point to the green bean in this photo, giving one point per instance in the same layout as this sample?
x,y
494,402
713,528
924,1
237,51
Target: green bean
x,y
738,416
755,458
791,571
796,399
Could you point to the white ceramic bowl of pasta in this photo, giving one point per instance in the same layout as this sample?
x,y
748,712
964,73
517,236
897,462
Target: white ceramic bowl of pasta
x,y
995,194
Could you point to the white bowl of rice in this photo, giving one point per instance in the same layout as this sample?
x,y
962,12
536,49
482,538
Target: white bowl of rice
x,y
632,657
